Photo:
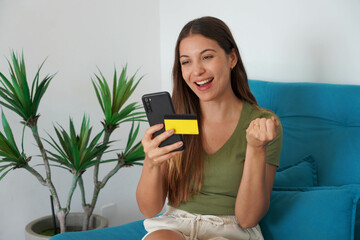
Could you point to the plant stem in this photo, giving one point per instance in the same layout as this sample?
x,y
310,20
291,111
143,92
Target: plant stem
x,y
36,174
89,208
85,206
61,213
119,165
96,168
35,132
71,192
82,189
48,181
87,215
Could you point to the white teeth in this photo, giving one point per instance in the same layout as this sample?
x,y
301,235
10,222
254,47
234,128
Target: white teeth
x,y
203,82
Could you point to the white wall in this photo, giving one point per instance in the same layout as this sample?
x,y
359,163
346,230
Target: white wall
x,y
279,40
76,36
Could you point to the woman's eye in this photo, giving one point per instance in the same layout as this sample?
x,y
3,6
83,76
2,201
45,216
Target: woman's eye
x,y
208,57
184,62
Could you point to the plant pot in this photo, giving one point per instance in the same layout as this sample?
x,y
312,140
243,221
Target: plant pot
x,y
73,222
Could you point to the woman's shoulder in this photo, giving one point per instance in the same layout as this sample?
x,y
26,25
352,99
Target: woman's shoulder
x,y
256,111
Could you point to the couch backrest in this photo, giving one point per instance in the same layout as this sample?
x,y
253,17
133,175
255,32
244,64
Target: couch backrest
x,y
318,119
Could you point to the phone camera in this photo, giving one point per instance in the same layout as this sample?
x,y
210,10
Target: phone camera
x,y
147,105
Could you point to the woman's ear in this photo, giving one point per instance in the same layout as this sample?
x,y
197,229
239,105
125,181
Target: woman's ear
x,y
233,59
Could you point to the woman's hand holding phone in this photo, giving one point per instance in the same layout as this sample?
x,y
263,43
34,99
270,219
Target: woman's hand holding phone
x,y
155,155
151,191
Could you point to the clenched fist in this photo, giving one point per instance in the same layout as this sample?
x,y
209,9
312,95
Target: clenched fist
x,y
261,131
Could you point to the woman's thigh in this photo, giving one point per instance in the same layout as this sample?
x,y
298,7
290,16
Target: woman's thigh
x,y
164,235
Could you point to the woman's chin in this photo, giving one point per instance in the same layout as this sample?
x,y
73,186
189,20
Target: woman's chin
x,y
206,97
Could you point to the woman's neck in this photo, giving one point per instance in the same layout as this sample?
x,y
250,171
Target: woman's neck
x,y
220,110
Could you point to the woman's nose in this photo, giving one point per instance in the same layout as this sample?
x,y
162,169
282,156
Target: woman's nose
x,y
198,68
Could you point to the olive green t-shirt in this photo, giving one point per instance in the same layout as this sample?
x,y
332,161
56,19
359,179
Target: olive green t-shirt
x,y
223,169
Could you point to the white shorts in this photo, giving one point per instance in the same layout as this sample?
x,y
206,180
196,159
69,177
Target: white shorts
x,y
201,227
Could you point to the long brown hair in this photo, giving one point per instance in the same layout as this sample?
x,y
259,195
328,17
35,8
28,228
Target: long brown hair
x,y
185,172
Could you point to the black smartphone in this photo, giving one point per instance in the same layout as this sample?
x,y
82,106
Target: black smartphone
x,y
157,105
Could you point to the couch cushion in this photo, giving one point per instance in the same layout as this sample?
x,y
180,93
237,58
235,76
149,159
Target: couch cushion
x,y
300,174
313,213
322,120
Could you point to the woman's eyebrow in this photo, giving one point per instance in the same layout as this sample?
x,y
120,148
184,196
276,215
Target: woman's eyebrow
x,y
208,49
202,52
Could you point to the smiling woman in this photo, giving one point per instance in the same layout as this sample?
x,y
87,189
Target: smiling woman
x,y
223,178
202,60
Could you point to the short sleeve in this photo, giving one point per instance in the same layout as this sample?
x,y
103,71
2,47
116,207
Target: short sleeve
x,y
273,149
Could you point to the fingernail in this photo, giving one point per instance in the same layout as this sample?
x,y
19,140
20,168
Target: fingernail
x,y
171,131
180,144
160,125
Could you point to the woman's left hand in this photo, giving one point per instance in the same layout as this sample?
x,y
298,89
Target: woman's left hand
x,y
261,131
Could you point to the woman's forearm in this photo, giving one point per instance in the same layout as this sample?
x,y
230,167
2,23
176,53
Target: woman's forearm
x,y
253,199
150,192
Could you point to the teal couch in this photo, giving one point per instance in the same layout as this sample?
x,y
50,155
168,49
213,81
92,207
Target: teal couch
x,y
317,186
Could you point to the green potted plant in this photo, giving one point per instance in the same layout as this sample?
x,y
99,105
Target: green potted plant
x,y
74,151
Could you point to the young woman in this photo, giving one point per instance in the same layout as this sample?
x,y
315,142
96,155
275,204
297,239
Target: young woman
x,y
219,187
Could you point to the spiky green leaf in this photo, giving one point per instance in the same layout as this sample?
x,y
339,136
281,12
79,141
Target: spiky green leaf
x,y
76,151
113,105
16,93
4,174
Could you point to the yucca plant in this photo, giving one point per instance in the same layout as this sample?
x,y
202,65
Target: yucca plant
x,y
132,155
16,95
115,112
74,152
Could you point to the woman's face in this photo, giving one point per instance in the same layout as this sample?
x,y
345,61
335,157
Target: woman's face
x,y
206,67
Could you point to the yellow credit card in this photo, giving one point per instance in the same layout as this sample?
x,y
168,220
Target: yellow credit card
x,y
182,123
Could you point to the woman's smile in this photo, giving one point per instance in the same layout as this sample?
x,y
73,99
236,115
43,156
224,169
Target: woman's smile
x,y
205,84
